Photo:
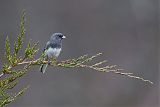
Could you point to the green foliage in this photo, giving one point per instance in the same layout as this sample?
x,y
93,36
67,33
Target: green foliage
x,y
8,98
9,77
10,81
19,42
8,50
31,51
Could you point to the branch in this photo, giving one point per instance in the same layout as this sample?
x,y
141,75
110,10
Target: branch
x,y
1,74
80,63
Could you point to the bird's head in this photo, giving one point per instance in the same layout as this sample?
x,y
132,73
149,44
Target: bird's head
x,y
57,37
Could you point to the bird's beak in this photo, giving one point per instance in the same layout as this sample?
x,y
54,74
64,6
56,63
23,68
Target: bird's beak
x,y
63,37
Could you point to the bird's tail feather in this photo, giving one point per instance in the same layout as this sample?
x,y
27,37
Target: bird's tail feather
x,y
43,68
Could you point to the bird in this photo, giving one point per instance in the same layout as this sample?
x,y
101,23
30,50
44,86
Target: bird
x,y
52,49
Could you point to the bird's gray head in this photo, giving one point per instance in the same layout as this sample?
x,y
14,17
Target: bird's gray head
x,y
57,37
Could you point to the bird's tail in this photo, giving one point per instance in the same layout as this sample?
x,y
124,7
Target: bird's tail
x,y
43,68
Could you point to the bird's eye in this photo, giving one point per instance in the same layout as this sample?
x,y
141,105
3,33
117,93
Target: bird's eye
x,y
60,36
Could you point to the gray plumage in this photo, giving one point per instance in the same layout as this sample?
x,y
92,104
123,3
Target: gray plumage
x,y
52,48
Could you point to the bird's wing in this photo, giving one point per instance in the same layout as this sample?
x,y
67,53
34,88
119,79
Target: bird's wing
x,y
46,46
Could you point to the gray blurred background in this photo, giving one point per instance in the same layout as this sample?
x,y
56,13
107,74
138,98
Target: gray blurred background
x,y
125,31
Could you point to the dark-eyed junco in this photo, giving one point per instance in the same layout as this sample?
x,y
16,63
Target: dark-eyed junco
x,y
52,48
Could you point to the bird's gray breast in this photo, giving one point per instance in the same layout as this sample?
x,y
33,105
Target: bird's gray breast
x,y
53,52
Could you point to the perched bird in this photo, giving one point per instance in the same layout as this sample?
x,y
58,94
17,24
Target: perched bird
x,y
52,48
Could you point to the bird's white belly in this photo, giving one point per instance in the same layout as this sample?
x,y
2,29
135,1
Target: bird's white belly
x,y
53,52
